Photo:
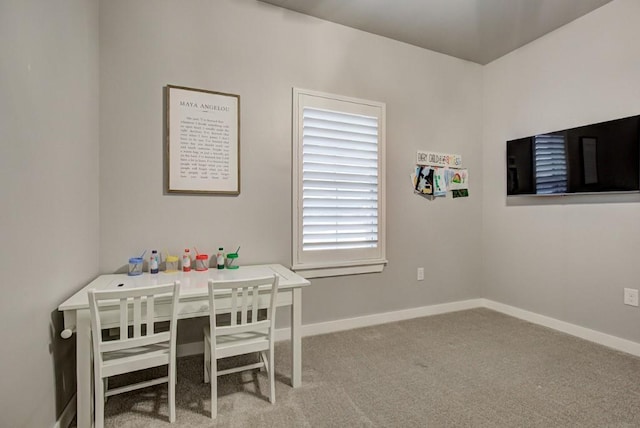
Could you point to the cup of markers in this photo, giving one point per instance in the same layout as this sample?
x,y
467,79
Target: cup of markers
x,y
230,261
135,266
171,264
202,262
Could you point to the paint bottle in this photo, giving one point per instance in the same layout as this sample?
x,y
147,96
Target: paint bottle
x,y
220,258
186,261
154,262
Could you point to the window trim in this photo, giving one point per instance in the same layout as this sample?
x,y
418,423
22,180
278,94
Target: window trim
x,y
338,266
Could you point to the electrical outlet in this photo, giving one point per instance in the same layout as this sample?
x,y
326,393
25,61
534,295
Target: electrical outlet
x,y
631,296
421,275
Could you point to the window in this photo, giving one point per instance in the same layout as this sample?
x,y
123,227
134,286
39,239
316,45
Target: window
x,y
338,185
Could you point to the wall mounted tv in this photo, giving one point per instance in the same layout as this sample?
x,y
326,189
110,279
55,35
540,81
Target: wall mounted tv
x,y
598,158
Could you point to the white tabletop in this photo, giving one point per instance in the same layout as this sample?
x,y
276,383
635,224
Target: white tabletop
x,y
192,284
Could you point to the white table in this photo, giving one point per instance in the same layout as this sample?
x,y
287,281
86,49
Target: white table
x,y
193,303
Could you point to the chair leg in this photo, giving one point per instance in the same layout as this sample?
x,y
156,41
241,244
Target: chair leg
x,y
213,374
99,402
172,392
207,359
272,377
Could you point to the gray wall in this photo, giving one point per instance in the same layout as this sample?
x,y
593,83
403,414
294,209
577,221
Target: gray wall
x,y
49,194
568,258
260,52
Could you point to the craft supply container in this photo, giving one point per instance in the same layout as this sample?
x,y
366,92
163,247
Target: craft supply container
x,y
135,266
202,262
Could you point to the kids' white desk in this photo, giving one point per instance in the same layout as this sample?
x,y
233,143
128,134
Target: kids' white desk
x,y
193,303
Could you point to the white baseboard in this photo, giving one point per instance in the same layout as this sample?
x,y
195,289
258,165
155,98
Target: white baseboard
x,y
386,317
604,339
68,414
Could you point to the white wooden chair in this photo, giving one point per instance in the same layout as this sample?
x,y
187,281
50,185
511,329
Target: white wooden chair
x,y
245,335
145,349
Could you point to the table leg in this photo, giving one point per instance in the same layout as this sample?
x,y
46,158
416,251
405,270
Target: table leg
x,y
296,338
83,369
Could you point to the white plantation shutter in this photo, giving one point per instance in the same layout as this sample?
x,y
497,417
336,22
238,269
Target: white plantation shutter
x,y
550,164
340,180
338,200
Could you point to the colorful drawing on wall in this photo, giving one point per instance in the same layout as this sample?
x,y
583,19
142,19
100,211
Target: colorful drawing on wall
x,y
424,180
431,181
439,182
458,179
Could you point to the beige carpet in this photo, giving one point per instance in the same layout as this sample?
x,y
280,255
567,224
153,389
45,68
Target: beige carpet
x,y
475,368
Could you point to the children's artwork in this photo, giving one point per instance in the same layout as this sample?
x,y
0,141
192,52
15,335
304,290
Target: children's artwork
x,y
458,179
439,182
432,181
460,193
424,180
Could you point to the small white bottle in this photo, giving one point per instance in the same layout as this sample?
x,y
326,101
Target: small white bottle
x,y
186,261
220,258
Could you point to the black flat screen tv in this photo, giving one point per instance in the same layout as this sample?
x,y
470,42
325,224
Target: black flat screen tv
x,y
597,158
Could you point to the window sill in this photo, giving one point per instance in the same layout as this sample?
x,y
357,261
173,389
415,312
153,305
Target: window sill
x,y
333,270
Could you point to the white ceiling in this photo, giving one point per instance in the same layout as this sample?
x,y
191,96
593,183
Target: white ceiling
x,y
475,30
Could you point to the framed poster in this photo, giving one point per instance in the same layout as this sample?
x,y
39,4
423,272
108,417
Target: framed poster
x,y
203,141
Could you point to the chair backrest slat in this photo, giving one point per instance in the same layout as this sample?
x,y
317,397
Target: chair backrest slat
x,y
234,306
255,306
124,318
245,298
137,316
151,314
